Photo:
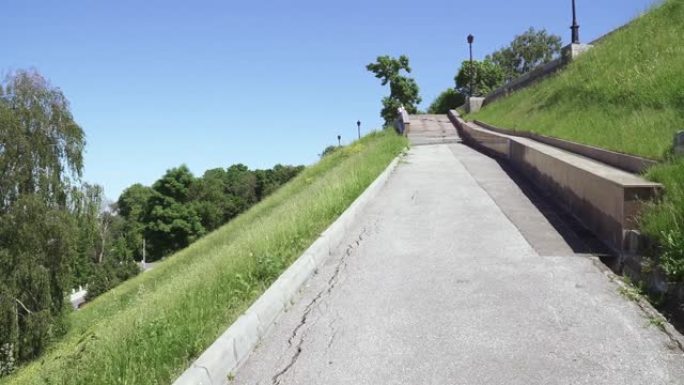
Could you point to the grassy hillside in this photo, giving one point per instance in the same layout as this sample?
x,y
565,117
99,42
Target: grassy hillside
x,y
626,94
148,330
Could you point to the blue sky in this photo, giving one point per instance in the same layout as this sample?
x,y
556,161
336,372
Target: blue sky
x,y
156,84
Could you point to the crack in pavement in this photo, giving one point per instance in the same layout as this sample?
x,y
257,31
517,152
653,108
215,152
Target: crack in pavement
x,y
333,329
332,282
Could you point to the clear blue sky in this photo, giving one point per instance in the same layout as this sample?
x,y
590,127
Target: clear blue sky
x,y
156,84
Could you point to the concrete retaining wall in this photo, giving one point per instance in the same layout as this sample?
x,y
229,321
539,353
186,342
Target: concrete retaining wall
x,y
231,349
605,200
626,162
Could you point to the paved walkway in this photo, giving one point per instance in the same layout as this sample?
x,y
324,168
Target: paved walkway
x,y
455,276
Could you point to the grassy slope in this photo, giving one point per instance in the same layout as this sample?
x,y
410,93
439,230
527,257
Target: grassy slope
x,y
626,94
147,330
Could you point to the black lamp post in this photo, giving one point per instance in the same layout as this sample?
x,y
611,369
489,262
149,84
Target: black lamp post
x,y
339,140
574,27
471,38
358,126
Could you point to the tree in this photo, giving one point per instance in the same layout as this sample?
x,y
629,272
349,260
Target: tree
x,y
171,223
87,203
484,76
212,204
241,185
526,51
271,179
41,158
447,100
42,146
329,150
404,91
132,206
176,183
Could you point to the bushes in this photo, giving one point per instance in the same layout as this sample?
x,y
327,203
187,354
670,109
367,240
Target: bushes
x,y
447,100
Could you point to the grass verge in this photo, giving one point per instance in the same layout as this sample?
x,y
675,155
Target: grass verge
x,y
626,94
148,330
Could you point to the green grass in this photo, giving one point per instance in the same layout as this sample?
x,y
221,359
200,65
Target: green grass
x,y
663,220
626,94
148,330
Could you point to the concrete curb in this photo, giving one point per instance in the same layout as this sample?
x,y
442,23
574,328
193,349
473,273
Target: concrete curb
x,y
222,358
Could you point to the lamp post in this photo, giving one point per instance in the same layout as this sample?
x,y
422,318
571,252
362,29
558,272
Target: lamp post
x,y
339,140
471,38
358,127
574,27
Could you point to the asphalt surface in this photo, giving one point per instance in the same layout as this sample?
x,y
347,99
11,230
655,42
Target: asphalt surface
x,y
457,275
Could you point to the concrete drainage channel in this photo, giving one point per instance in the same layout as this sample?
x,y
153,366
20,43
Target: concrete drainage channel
x,y
221,360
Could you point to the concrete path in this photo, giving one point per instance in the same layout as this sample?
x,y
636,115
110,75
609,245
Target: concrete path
x,y
456,276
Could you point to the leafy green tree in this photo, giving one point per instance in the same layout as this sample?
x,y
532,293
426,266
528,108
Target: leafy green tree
x,y
40,160
241,185
447,100
526,51
176,183
404,91
171,226
271,179
132,206
211,203
42,145
171,223
102,259
484,76
87,203
36,242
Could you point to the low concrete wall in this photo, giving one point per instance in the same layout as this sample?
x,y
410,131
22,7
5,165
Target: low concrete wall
x,y
473,104
626,162
605,200
403,123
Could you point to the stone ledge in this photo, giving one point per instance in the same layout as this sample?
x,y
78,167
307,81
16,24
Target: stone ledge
x,y
626,162
604,199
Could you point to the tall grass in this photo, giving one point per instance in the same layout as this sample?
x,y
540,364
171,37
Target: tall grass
x,y
626,94
148,330
663,220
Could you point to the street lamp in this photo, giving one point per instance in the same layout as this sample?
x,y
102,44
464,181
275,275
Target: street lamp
x,y
574,27
339,141
358,127
471,38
